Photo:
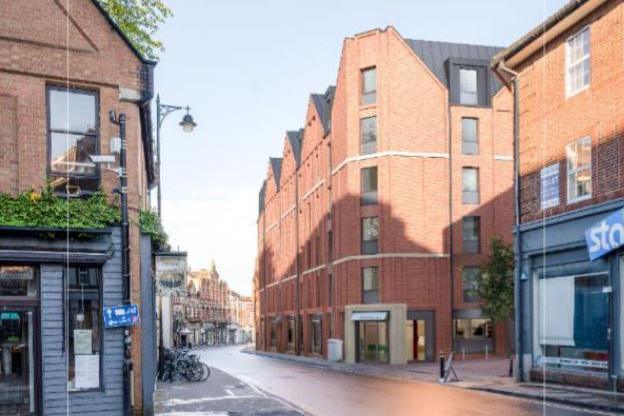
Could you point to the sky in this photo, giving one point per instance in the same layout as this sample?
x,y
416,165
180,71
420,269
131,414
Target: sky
x,y
246,69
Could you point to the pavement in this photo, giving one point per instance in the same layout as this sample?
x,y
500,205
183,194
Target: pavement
x,y
221,394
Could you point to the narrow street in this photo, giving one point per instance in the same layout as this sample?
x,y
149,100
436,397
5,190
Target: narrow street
x,y
321,392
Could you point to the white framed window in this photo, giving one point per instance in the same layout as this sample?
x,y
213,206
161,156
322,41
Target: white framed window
x,y
549,186
578,71
578,156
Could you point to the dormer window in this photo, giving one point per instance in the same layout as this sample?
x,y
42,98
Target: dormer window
x,y
468,91
469,82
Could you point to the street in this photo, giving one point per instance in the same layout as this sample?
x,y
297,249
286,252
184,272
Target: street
x,y
321,392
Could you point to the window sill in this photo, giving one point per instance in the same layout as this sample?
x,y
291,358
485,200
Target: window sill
x,y
364,107
579,199
569,95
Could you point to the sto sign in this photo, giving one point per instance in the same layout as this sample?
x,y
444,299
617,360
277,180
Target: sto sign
x,y
605,236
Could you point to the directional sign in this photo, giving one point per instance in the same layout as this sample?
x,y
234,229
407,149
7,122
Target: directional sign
x,y
122,315
605,236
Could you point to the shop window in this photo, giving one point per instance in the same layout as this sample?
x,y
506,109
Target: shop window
x,y
368,178
470,185
470,136
473,328
84,311
370,285
572,322
73,135
370,235
578,65
579,165
316,335
471,232
369,86
470,283
18,281
368,135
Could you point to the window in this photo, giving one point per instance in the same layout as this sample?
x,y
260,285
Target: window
x,y
470,283
470,185
369,86
578,70
85,329
370,235
73,134
368,135
549,186
291,334
579,169
18,281
368,177
470,136
316,335
471,230
468,92
370,285
473,328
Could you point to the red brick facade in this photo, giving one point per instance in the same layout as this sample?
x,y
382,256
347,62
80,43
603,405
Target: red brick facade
x,y
314,210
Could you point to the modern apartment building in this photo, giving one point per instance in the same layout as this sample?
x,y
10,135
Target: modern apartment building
x,y
63,67
568,80
375,219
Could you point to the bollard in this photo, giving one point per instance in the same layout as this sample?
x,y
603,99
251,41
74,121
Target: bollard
x,y
441,365
511,360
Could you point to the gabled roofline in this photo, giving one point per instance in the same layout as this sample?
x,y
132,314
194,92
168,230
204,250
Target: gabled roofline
x,y
123,36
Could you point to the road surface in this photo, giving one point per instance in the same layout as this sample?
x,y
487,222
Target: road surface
x,y
322,392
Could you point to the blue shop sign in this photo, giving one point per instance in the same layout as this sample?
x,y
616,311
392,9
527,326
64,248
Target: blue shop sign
x,y
122,315
605,236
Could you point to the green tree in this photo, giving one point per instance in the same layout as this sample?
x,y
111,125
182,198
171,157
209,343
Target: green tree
x,y
139,20
496,281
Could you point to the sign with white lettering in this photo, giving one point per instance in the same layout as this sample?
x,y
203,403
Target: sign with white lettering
x,y
549,181
119,316
605,236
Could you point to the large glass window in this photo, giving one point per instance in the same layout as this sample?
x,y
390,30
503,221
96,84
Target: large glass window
x,y
468,92
579,169
18,281
373,341
316,335
470,283
470,185
470,136
369,85
368,177
370,285
85,328
473,328
578,69
471,231
73,132
572,322
368,135
370,235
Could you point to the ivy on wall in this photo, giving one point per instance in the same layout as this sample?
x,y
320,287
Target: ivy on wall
x,y
150,224
46,210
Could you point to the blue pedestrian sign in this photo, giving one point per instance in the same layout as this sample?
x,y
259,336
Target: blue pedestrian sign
x,y
606,236
120,316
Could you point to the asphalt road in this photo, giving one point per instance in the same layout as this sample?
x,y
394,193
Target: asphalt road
x,y
322,392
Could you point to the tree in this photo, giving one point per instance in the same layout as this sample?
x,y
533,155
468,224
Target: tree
x,y
139,20
496,282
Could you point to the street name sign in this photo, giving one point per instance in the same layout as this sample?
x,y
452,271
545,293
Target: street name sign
x,y
120,316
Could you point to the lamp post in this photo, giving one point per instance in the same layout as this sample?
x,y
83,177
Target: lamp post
x,y
187,123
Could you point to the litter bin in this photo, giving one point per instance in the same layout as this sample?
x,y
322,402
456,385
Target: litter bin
x,y
334,349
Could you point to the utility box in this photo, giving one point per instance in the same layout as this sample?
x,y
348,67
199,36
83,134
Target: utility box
x,y
334,349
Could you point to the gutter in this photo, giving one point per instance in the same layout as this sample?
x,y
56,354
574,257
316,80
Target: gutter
x,y
518,301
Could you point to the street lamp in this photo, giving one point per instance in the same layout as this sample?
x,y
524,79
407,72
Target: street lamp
x,y
188,125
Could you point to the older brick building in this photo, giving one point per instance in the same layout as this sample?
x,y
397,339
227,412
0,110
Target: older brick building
x,y
568,79
375,218
63,67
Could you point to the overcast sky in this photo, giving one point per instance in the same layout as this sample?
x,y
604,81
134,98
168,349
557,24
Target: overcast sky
x,y
246,68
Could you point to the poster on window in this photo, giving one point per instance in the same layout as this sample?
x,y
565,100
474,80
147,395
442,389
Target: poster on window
x,y
171,273
83,341
87,371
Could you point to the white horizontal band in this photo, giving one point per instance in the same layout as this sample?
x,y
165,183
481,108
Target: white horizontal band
x,y
389,153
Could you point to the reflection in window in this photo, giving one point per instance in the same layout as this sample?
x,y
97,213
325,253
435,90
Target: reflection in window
x,y
578,62
368,135
579,169
470,138
473,328
470,283
18,281
370,285
85,329
470,185
369,85
73,136
368,177
468,92
471,231
370,235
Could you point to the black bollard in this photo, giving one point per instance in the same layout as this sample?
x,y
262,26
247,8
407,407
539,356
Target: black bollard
x,y
441,365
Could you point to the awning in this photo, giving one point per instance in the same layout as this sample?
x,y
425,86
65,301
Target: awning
x,y
369,316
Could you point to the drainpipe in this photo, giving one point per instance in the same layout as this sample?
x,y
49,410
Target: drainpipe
x,y
518,298
298,268
451,259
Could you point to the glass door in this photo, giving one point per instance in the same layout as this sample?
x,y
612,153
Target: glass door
x,y
373,341
17,362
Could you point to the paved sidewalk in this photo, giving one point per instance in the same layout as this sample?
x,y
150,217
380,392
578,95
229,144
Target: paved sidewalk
x,y
482,375
221,394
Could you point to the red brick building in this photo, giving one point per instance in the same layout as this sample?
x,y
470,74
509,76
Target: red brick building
x,y
374,220
568,79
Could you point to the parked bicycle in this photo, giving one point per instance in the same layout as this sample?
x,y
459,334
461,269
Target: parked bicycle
x,y
182,363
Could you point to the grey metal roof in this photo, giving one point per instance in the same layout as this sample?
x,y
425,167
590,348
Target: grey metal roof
x,y
276,165
323,104
436,54
261,197
295,138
